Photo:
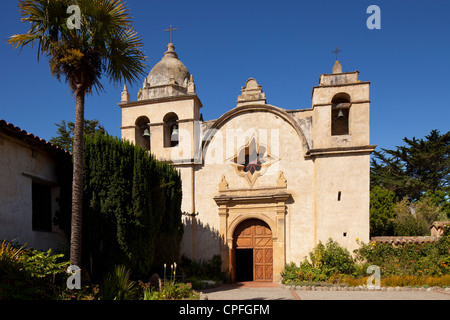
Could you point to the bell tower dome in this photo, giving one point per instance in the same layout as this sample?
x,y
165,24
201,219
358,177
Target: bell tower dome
x,y
169,77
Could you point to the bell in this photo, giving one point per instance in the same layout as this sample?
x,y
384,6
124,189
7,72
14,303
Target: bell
x,y
174,136
340,114
146,133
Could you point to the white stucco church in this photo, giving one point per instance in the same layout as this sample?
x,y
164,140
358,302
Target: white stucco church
x,y
263,184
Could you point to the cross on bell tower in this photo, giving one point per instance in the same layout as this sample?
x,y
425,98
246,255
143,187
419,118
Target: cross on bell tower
x,y
337,68
170,30
337,51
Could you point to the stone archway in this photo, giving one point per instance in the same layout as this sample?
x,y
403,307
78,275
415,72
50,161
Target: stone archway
x,y
252,252
269,208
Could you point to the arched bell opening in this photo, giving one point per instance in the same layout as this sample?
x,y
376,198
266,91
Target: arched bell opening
x,y
171,133
142,132
340,114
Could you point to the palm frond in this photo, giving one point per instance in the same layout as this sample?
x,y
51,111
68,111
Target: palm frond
x,y
106,43
124,59
46,19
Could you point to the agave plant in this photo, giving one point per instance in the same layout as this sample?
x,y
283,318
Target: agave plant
x,y
118,285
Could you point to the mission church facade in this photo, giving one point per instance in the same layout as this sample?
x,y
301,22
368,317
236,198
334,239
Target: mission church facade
x,y
262,184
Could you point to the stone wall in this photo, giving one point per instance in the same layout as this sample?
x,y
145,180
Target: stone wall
x,y
25,159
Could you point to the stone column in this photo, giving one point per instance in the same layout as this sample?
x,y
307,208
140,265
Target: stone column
x,y
279,241
224,246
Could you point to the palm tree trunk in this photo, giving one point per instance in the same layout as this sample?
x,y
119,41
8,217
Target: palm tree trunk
x,y
77,185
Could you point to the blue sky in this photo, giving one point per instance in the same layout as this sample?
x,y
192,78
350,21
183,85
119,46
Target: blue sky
x,y
284,45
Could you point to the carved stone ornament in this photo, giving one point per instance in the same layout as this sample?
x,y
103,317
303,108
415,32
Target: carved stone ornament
x,y
223,184
281,181
251,94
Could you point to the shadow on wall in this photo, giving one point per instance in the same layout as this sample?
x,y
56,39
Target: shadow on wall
x,y
206,239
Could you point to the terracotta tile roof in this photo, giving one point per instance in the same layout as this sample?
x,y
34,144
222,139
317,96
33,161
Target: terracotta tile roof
x,y
440,224
404,240
16,132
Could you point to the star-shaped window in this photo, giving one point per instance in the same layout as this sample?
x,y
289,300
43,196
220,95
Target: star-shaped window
x,y
252,161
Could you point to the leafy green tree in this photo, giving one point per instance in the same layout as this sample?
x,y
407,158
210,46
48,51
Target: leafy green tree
x,y
382,203
104,44
414,219
420,166
441,200
64,139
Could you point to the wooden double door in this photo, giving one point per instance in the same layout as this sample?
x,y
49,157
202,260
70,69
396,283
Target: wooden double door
x,y
252,255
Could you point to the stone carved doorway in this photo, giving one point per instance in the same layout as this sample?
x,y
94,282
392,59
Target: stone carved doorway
x,y
269,208
252,252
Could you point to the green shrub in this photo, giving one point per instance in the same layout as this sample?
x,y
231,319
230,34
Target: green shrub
x,y
414,264
334,258
324,262
290,273
170,291
430,259
45,265
175,291
27,274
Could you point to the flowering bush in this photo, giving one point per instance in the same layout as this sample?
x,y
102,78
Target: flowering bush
x,y
431,259
406,264
324,261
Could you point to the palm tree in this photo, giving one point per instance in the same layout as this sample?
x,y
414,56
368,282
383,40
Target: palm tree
x,y
103,43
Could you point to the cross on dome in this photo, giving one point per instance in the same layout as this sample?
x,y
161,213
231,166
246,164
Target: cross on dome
x,y
170,30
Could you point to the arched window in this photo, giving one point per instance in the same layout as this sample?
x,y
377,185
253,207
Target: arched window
x,y
171,137
340,113
142,132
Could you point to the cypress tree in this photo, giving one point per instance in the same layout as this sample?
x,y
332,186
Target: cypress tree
x,y
423,165
131,204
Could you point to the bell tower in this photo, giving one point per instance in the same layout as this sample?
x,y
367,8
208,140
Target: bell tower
x,y
341,155
162,119
341,110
